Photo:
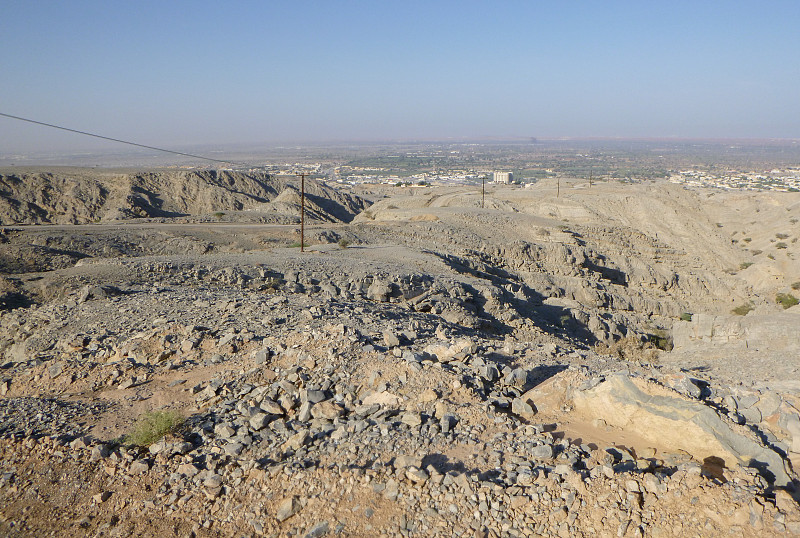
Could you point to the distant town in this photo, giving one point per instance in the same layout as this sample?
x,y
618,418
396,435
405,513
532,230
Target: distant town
x,y
758,165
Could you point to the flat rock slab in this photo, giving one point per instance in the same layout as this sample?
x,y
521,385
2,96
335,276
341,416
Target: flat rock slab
x,y
676,423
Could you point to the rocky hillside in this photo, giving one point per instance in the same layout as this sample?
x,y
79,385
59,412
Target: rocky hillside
x,y
74,196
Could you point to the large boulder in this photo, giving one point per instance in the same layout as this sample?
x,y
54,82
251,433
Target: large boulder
x,y
675,423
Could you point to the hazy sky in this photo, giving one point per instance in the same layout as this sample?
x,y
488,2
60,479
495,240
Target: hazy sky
x,y
181,73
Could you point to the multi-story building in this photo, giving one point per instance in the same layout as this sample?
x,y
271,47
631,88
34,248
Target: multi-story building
x,y
503,177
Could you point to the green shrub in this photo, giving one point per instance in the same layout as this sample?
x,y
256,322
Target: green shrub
x,y
660,339
757,252
343,243
781,236
747,239
786,300
218,215
743,310
686,316
781,245
153,426
745,265
796,285
296,244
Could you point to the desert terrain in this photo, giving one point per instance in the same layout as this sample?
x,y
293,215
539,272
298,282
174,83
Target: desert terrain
x,y
561,359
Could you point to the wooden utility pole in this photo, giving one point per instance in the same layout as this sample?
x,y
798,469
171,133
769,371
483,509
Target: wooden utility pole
x,y
590,176
302,210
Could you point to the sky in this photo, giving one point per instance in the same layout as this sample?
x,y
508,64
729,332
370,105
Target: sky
x,y
180,74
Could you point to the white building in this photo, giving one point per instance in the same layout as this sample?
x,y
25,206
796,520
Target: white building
x,y
503,177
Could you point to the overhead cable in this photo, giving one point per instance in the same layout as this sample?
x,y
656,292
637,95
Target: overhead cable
x,y
120,141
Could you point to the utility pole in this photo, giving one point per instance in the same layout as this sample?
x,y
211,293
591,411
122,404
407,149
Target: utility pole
x,y
590,176
483,191
302,210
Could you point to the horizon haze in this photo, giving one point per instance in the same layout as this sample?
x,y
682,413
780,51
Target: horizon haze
x,y
189,74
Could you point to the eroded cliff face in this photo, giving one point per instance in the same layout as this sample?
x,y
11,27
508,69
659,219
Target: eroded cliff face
x,y
76,197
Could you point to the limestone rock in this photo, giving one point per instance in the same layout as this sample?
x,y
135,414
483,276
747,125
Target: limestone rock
x,y
675,423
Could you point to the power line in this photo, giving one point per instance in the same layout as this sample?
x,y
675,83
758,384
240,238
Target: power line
x,y
120,141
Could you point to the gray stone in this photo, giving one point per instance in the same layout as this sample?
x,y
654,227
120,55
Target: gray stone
x,y
517,377
326,410
262,356
313,396
99,452
416,475
55,370
522,408
233,449
403,461
320,529
224,430
391,490
541,452
489,372
769,404
271,407
298,440
379,291
411,419
138,467
102,497
213,481
304,413
751,414
287,508
390,338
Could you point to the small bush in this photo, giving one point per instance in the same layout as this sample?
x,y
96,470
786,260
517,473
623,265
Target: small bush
x,y
272,283
745,265
344,243
786,300
153,426
770,256
781,236
781,245
757,252
218,215
796,285
747,239
743,310
296,244
630,348
686,316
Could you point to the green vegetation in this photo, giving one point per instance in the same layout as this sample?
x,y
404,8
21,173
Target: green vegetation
x,y
153,426
296,244
743,310
343,243
747,239
770,256
686,316
796,285
218,215
660,339
786,300
757,252
781,236
745,265
630,348
272,283
781,245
